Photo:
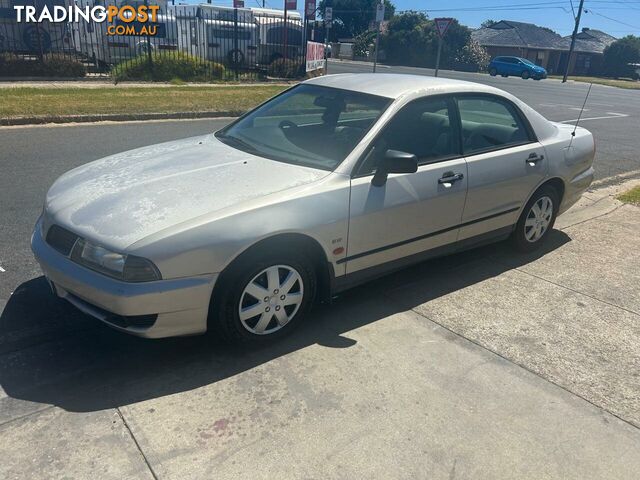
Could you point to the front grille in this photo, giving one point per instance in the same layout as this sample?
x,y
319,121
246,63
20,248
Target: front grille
x,y
61,239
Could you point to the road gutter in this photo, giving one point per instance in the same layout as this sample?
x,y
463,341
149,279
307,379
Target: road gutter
x,y
115,117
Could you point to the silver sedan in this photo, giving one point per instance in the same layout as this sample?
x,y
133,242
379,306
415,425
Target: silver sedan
x,y
337,180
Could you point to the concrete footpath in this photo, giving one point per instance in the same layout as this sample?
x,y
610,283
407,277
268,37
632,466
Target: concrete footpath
x,y
483,365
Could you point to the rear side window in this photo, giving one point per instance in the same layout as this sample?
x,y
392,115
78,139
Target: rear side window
x,y
489,123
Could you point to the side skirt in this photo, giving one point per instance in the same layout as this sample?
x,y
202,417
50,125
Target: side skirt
x,y
345,282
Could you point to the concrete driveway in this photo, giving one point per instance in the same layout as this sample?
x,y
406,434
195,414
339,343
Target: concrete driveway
x,y
486,364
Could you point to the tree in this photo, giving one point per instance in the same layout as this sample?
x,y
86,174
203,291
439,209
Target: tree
x,y
412,39
488,23
473,55
619,54
352,17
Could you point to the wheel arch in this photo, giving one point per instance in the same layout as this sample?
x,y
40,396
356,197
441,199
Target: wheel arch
x,y
311,248
556,183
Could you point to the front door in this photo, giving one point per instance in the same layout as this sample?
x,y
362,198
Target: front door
x,y
412,212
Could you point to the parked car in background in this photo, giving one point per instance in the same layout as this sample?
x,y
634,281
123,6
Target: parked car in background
x,y
521,67
335,181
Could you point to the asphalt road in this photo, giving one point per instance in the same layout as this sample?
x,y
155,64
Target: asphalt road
x,y
53,356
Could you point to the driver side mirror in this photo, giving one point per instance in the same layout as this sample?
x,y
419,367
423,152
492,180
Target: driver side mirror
x,y
394,161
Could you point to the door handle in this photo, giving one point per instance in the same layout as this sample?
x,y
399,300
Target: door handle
x,y
534,158
449,178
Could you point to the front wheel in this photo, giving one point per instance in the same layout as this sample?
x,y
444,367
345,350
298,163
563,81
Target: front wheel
x,y
525,75
493,72
536,220
263,298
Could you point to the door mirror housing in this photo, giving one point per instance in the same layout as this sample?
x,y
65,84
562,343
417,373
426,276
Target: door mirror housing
x,y
394,161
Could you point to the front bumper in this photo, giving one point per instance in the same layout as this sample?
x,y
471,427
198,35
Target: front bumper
x,y
163,308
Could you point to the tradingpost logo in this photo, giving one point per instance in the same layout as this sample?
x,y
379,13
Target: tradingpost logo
x,y
124,20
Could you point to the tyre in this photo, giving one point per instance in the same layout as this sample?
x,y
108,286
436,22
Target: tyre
x,y
493,72
536,220
525,75
504,75
263,298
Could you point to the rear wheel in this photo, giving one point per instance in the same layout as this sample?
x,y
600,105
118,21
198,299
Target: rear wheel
x,y
525,74
493,72
263,298
536,220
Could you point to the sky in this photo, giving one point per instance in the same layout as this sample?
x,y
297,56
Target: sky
x,y
616,17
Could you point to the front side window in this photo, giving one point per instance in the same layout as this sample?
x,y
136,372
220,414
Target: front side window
x,y
422,128
490,123
308,125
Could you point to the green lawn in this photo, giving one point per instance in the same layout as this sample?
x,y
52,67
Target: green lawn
x,y
612,82
631,196
20,102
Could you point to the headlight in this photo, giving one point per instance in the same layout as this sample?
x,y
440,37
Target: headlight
x,y
123,267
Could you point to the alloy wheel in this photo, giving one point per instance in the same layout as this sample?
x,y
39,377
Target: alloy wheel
x,y
538,219
271,299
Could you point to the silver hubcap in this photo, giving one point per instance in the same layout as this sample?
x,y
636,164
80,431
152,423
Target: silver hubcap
x,y
538,219
271,299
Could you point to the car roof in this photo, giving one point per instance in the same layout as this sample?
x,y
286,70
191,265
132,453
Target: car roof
x,y
394,85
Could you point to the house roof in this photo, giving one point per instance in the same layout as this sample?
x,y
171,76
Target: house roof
x,y
590,40
507,33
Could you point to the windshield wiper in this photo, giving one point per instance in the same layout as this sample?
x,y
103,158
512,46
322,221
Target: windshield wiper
x,y
237,141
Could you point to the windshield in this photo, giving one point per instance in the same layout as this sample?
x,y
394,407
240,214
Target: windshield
x,y
307,125
528,62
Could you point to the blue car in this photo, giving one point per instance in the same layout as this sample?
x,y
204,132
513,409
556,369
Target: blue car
x,y
521,67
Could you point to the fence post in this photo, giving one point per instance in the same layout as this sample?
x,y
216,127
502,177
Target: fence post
x,y
149,56
235,43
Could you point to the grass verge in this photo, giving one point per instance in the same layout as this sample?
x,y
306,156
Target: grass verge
x,y
631,196
612,82
36,102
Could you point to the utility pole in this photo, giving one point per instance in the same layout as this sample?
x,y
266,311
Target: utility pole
x,y
378,22
573,42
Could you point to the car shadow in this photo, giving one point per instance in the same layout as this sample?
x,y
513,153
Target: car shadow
x,y
50,353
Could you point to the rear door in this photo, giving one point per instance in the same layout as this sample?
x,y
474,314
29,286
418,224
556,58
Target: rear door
x,y
505,162
411,212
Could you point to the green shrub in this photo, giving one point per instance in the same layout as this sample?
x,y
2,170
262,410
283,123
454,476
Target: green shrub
x,y
52,65
167,67
285,68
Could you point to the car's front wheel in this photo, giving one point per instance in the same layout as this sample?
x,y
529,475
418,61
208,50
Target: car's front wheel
x,y
493,72
263,298
536,220
525,75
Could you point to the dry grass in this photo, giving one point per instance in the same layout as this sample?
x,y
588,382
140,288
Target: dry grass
x,y
631,196
21,102
620,83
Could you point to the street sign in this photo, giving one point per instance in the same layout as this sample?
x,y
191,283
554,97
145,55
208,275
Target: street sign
x,y
442,25
291,4
380,11
328,14
310,9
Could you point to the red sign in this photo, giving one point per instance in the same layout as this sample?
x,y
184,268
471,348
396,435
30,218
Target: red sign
x,y
442,25
291,4
315,56
310,9
238,3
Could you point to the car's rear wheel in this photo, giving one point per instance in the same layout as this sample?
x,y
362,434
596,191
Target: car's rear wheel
x,y
493,72
536,220
263,298
525,75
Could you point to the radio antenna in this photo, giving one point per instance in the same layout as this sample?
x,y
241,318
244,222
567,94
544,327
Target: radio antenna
x,y
575,127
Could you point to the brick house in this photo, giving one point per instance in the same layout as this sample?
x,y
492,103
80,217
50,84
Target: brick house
x,y
545,47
